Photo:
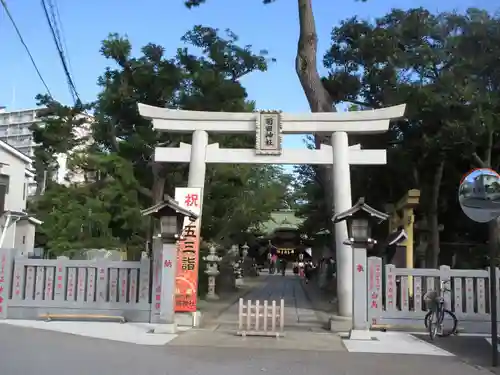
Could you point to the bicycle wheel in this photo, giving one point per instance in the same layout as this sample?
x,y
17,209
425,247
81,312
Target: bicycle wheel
x,y
448,323
432,324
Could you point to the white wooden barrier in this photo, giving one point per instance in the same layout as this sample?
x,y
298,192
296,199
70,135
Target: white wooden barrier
x,y
261,319
395,295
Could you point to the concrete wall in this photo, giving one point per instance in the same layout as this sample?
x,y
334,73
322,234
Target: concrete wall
x,y
30,288
395,295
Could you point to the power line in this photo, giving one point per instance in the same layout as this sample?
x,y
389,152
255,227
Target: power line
x,y
6,8
64,44
56,36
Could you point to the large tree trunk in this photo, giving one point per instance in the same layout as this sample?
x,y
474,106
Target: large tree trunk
x,y
157,193
306,63
433,258
318,98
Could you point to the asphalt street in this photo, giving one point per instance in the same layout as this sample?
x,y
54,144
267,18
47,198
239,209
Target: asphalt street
x,y
481,203
28,352
473,350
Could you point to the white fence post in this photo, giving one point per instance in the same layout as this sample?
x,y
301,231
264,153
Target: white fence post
x,y
497,274
481,295
390,288
241,310
282,315
374,294
445,276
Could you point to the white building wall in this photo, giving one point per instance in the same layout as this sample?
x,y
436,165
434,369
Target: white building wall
x,y
24,237
15,199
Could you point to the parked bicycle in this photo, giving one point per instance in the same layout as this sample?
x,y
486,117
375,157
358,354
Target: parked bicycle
x,y
437,316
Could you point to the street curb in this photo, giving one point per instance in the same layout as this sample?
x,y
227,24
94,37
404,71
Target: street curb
x,y
476,367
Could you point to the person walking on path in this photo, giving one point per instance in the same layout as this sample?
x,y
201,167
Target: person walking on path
x,y
272,263
309,268
301,265
283,265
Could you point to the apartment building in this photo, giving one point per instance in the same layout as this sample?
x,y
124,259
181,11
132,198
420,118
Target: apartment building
x,y
15,130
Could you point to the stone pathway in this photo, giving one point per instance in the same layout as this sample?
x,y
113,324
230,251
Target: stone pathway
x,y
304,329
299,313
211,310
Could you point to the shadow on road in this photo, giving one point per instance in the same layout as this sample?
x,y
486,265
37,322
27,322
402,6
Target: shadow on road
x,y
472,350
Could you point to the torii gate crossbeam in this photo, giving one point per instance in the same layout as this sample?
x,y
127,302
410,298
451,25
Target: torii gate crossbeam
x,y
216,155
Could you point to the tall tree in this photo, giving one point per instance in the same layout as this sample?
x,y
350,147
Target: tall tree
x,y
118,154
104,213
306,67
57,132
478,45
116,159
415,57
209,82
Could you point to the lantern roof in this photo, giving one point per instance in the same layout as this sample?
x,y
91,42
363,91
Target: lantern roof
x,y
167,206
360,209
397,237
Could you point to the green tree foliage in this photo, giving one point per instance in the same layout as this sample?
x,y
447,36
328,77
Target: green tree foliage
x,y
101,214
445,67
59,133
121,176
319,99
309,197
439,64
187,81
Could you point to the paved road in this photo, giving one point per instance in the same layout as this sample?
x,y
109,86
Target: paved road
x,y
299,313
480,203
35,352
473,350
26,351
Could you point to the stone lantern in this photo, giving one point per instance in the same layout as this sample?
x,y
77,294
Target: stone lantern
x,y
237,265
212,271
246,264
244,251
359,221
234,251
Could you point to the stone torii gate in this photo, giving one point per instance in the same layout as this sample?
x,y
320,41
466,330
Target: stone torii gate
x,y
269,127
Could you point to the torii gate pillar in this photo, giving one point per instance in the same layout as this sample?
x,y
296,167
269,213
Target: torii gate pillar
x,y
342,201
268,126
197,164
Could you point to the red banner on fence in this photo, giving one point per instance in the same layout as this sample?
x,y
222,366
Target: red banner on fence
x,y
186,282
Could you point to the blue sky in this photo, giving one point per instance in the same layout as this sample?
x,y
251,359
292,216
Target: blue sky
x,y
471,176
86,23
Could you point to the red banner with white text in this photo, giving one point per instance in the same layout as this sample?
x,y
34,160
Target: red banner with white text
x,y
188,251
